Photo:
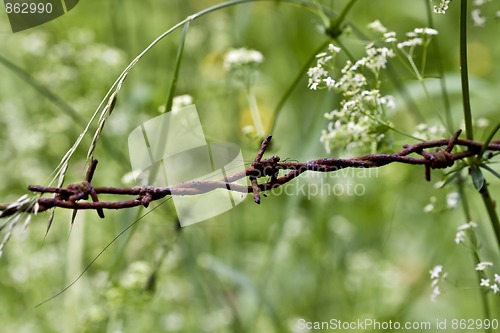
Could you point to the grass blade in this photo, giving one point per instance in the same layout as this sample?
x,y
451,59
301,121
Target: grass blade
x,y
178,60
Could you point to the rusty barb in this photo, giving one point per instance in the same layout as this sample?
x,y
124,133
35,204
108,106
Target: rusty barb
x,y
435,154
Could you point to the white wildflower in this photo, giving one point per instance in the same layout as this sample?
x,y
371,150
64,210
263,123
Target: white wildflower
x,y
423,31
479,20
330,83
460,237
430,31
388,101
482,122
237,58
429,208
419,36
437,276
468,226
497,278
377,26
436,271
333,49
324,60
436,291
452,199
431,205
387,36
410,43
442,7
495,288
390,37
482,265
377,57
485,283
316,76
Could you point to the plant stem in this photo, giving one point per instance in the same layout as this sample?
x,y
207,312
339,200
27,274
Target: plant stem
x,y
474,245
485,195
464,70
490,208
412,67
180,52
342,16
254,111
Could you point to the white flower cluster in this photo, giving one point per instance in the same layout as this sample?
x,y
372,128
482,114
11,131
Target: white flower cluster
x,y
361,120
319,75
442,7
242,65
478,19
437,275
238,58
431,205
357,123
452,201
492,284
477,13
461,231
419,36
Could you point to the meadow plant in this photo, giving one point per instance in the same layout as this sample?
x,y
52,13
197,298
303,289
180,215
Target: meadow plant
x,y
242,64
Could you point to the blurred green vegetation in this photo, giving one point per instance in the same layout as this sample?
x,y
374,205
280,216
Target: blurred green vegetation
x,y
256,268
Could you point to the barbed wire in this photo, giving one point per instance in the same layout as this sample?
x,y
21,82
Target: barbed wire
x,y
74,196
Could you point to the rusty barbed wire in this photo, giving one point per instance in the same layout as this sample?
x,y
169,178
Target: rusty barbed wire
x,y
73,196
